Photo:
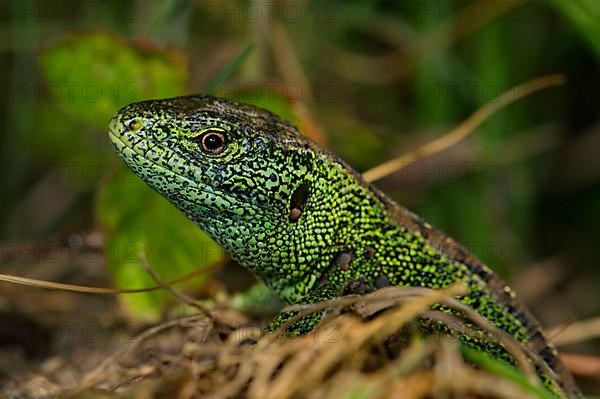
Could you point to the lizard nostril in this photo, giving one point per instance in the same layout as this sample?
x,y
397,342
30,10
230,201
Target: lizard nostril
x,y
135,125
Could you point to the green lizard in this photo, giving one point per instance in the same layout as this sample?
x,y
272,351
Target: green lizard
x,y
299,217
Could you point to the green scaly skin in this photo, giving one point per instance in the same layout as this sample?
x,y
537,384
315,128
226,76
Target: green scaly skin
x,y
300,218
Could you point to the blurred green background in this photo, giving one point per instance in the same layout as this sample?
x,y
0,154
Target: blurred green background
x,y
368,79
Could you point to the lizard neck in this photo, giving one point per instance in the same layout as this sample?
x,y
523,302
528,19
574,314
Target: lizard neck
x,y
294,253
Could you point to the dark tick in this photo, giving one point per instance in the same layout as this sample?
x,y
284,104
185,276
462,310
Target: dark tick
x,y
369,252
381,281
357,287
343,260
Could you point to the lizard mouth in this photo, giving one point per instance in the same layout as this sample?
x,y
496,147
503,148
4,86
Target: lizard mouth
x,y
116,141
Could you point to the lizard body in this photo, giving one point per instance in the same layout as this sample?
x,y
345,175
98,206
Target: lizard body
x,y
299,217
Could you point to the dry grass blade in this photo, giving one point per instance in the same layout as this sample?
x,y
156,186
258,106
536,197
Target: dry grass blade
x,y
31,282
575,332
583,365
466,127
287,384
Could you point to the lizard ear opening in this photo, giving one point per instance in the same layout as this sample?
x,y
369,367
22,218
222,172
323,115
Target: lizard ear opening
x,y
298,201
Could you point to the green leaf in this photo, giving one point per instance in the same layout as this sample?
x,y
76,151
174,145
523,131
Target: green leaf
x,y
95,75
91,76
136,218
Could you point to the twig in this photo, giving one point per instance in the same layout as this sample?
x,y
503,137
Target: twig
x,y
179,295
91,377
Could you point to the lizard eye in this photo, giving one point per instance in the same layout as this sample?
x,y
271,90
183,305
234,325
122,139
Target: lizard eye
x,y
212,141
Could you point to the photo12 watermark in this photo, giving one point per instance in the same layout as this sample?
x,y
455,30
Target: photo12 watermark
x,y
69,92
269,91
77,249
67,172
461,13
327,11
60,12
427,172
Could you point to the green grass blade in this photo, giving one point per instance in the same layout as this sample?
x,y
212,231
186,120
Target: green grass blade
x,y
505,370
228,70
584,14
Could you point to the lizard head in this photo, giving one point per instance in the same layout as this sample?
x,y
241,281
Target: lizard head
x,y
241,173
213,157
